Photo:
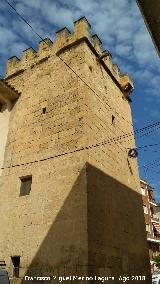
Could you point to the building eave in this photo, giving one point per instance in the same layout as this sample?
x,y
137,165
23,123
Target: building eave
x,y
150,11
7,92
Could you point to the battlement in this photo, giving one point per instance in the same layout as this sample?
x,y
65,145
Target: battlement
x,y
97,44
126,83
64,39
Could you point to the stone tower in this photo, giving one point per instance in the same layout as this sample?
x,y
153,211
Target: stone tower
x,y
70,203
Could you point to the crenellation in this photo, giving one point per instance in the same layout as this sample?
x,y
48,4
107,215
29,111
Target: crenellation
x,y
82,28
116,71
44,50
107,53
107,58
12,64
126,83
29,56
56,132
29,53
45,43
97,44
62,34
114,68
64,38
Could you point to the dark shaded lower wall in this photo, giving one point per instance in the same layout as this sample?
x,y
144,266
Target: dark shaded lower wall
x,y
116,230
99,231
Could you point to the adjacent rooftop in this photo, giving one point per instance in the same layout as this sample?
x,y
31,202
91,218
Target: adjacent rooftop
x,y
7,92
150,10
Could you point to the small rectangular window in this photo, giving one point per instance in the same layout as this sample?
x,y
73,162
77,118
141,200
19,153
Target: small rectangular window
x,y
44,110
16,265
26,183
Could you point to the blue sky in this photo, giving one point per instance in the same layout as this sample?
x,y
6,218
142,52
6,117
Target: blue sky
x,y
120,26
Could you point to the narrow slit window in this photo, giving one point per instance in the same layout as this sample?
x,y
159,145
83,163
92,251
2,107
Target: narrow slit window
x,y
44,110
26,183
16,265
113,119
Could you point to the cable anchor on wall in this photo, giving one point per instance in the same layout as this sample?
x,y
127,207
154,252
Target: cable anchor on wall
x,y
133,153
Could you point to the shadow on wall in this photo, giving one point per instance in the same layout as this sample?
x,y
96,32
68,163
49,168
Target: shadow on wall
x,y
98,231
7,106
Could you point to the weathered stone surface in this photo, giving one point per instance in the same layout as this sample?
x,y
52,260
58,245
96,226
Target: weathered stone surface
x,y
84,213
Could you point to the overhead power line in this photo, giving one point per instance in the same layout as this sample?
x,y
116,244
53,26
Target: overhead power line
x,y
23,19
151,150
84,147
147,146
150,166
26,22
153,164
153,127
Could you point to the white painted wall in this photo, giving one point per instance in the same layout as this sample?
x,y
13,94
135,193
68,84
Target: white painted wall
x,y
4,125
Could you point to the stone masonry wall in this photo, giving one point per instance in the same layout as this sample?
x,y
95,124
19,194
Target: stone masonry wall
x,y
57,202
51,130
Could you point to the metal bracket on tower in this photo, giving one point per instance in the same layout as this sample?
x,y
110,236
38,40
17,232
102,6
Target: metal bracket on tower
x,y
133,153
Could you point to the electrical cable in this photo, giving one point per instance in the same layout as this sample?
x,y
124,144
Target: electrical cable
x,y
85,147
104,142
146,146
23,19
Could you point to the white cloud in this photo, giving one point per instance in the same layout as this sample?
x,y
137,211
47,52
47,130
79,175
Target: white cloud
x,y
117,22
123,50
